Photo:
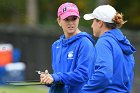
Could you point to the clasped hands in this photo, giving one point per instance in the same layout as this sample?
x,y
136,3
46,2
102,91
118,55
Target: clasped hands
x,y
46,78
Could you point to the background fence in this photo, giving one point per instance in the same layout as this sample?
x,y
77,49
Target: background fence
x,y
35,45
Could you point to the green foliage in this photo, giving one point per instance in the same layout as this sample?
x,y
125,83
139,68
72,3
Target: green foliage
x,y
14,11
28,89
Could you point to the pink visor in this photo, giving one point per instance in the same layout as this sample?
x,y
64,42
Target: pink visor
x,y
67,9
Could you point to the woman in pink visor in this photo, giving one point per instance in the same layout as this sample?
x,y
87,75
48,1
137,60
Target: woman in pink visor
x,y
71,54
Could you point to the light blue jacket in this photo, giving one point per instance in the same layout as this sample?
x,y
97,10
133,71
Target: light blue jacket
x,y
113,67
70,60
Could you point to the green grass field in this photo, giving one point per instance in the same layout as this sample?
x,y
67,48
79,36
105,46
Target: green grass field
x,y
23,89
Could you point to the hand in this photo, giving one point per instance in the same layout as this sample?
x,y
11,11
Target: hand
x,y
46,78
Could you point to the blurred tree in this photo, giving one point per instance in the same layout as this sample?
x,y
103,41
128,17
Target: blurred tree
x,y
32,12
45,11
48,11
12,11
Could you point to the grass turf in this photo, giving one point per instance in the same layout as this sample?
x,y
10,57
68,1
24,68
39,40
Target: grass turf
x,y
23,89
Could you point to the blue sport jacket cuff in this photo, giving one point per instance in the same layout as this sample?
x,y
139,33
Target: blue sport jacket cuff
x,y
56,77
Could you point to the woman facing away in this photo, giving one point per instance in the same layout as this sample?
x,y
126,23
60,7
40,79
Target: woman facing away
x,y
113,68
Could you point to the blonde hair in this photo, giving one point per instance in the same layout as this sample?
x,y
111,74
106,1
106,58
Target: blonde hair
x,y
118,20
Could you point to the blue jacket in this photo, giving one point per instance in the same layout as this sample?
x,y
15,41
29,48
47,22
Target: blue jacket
x,y
113,67
70,60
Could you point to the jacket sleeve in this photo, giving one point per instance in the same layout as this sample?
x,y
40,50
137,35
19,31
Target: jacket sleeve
x,y
79,75
103,69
